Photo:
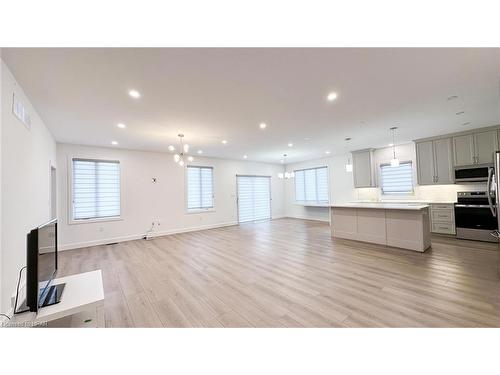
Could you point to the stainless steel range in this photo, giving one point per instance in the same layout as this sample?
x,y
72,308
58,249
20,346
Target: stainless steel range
x,y
475,215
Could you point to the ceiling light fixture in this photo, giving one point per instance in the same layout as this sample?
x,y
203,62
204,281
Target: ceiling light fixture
x,y
224,142
171,148
348,165
180,157
286,175
466,123
134,94
290,144
332,96
114,143
395,160
121,126
391,144
200,152
460,113
327,152
262,125
452,97
244,156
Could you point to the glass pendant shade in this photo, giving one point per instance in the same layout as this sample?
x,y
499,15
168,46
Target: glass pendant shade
x,y
181,163
395,162
287,175
348,167
280,175
186,148
177,158
190,158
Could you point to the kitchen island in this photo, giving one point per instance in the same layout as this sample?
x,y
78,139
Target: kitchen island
x,y
403,225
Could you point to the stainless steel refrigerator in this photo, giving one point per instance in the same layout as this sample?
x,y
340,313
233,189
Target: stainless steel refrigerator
x,y
492,189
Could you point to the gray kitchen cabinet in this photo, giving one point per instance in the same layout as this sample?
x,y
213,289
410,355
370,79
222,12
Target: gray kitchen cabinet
x,y
475,148
443,161
485,143
434,162
363,169
463,150
425,163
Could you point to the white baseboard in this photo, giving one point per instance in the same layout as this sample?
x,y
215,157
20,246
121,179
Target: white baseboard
x,y
308,218
104,241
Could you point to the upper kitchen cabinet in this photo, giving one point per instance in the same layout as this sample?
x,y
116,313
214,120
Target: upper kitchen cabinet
x,y
434,162
363,169
475,148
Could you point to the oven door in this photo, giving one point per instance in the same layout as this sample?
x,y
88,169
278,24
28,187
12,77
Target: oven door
x,y
474,217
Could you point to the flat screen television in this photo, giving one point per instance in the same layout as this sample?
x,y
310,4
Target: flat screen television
x,y
41,256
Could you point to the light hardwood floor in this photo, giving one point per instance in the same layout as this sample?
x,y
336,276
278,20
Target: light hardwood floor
x,y
290,273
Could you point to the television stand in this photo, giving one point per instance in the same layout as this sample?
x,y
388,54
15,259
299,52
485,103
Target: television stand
x,y
81,304
53,295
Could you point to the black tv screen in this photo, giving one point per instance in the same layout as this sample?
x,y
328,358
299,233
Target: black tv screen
x,y
41,263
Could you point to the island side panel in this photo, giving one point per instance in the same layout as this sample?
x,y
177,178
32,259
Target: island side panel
x,y
344,223
372,225
408,229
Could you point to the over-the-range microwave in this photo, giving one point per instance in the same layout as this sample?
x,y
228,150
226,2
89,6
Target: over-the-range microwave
x,y
472,173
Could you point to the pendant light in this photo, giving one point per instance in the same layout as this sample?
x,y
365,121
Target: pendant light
x,y
395,160
286,175
348,166
181,157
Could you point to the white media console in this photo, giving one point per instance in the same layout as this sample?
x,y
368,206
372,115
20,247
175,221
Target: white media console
x,y
81,305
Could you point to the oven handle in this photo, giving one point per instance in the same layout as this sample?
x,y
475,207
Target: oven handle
x,y
488,192
474,205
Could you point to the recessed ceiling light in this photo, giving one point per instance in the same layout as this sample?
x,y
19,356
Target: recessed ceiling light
x,y
224,142
114,143
391,144
134,94
244,156
121,126
327,152
262,125
199,152
290,144
171,148
460,113
332,96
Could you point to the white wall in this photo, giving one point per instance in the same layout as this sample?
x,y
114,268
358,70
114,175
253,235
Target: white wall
x,y
25,178
144,202
341,188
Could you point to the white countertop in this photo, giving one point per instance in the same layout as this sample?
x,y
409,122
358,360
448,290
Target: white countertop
x,y
382,206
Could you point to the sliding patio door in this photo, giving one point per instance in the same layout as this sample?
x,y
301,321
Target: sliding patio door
x,y
254,198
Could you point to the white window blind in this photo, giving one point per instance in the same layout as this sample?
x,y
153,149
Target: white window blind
x,y
396,180
311,185
254,198
96,189
200,194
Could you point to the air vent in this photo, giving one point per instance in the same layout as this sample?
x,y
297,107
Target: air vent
x,y
19,110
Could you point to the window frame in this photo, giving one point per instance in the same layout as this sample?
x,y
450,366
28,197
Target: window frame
x,y
311,202
186,179
71,219
397,195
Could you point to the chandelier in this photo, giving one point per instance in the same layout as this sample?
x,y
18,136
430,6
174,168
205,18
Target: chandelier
x,y
286,175
181,157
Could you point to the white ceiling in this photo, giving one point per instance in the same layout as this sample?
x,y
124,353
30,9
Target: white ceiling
x,y
215,94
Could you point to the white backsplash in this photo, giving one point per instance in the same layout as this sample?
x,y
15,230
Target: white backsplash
x,y
425,193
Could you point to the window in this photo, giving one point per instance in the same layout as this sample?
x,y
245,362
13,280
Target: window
x,y
254,198
396,180
96,189
200,194
311,185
